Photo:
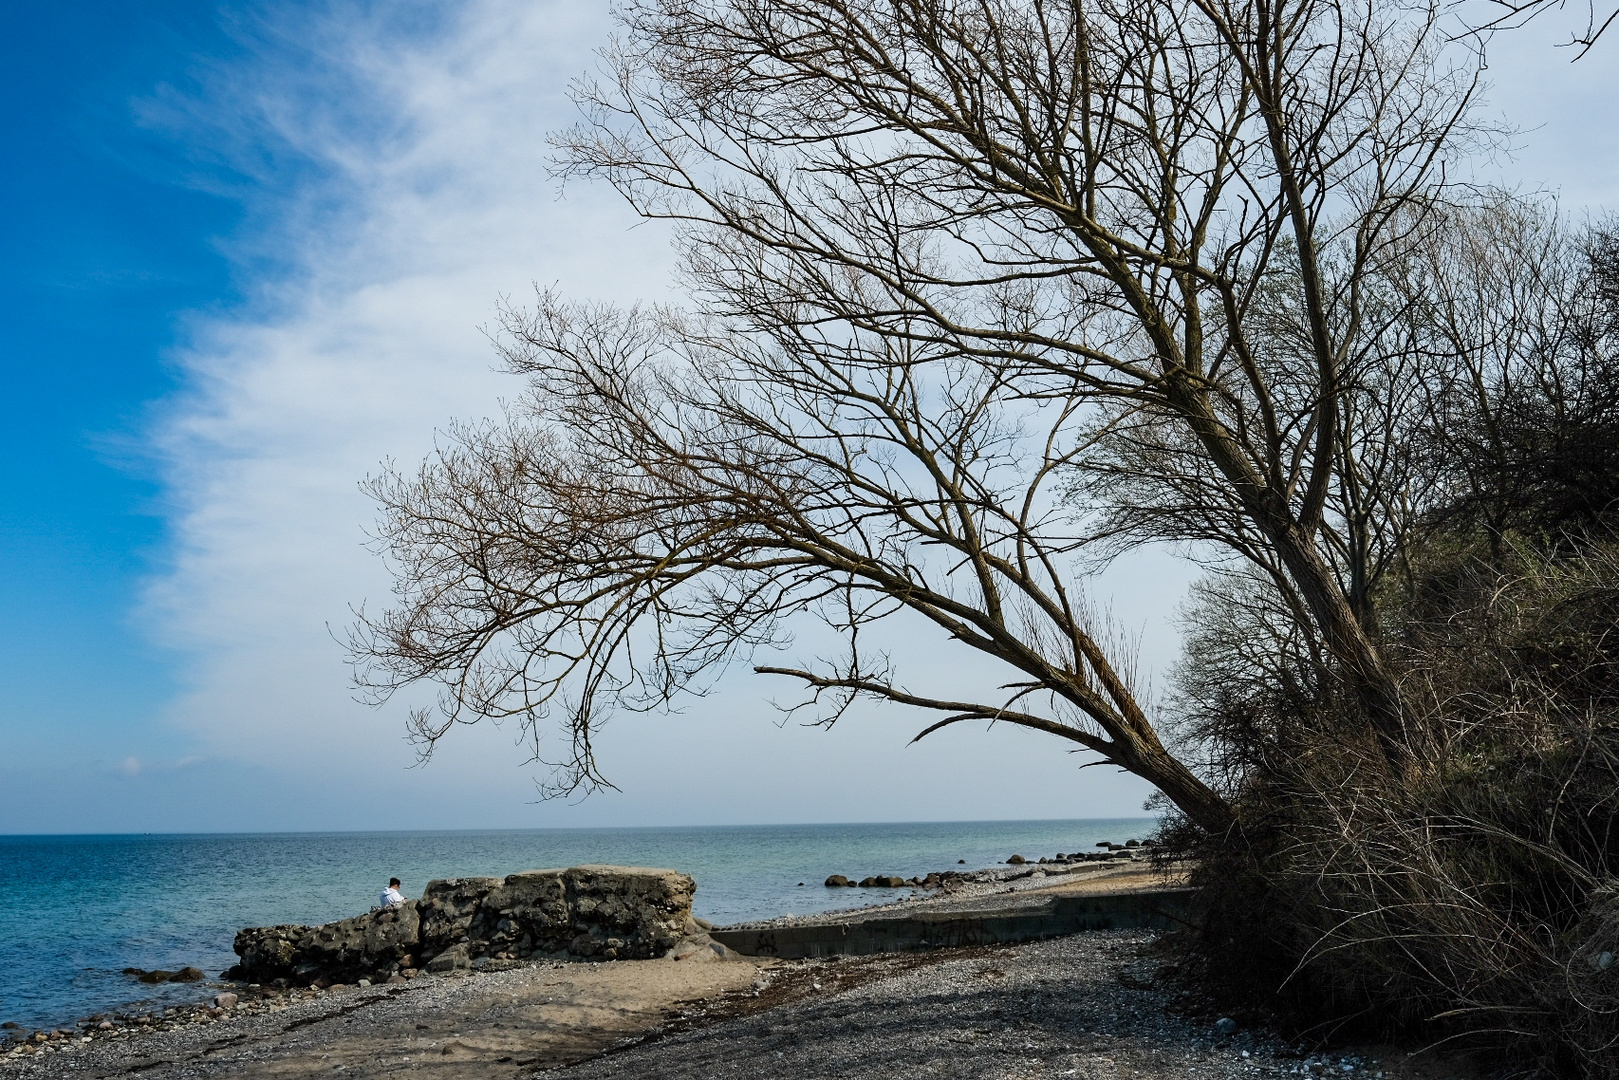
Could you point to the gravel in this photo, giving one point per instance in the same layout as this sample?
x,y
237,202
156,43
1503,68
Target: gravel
x,y
1090,1006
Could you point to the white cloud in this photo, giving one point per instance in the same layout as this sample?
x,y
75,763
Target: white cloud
x,y
418,196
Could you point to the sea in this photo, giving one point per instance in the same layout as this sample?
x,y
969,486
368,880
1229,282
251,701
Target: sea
x,y
75,911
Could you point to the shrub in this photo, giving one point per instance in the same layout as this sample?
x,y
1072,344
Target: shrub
x,y
1474,897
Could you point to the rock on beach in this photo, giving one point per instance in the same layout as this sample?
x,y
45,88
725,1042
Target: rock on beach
x,y
600,912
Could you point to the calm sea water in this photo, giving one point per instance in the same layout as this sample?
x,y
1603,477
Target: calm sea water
x,y
76,910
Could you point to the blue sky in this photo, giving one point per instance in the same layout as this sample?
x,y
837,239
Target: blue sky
x,y
246,255
106,249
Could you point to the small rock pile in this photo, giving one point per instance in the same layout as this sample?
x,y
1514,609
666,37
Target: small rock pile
x,y
119,1025
890,881
598,912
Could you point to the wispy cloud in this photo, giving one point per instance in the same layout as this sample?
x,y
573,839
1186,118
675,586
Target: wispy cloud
x,y
397,186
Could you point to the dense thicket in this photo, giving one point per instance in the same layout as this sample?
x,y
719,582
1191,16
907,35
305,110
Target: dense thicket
x,y
1476,896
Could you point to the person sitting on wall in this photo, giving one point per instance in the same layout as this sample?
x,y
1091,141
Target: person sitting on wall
x,y
391,896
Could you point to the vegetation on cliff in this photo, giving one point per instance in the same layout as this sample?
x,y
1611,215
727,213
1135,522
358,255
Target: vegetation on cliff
x,y
1476,893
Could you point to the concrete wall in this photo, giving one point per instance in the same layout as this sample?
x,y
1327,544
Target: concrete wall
x,y
934,930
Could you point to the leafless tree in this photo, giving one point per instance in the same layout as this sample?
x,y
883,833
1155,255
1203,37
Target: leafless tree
x,y
1524,436
982,290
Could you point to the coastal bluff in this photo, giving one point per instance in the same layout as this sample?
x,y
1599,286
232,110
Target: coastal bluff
x,y
603,912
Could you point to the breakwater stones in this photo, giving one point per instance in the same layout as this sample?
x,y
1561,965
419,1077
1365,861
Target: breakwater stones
x,y
887,881
945,880
602,912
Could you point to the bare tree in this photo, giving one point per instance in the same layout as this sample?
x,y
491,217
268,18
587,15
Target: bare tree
x,y
1524,437
953,263
673,491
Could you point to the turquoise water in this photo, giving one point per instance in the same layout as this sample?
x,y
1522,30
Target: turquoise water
x,y
76,910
